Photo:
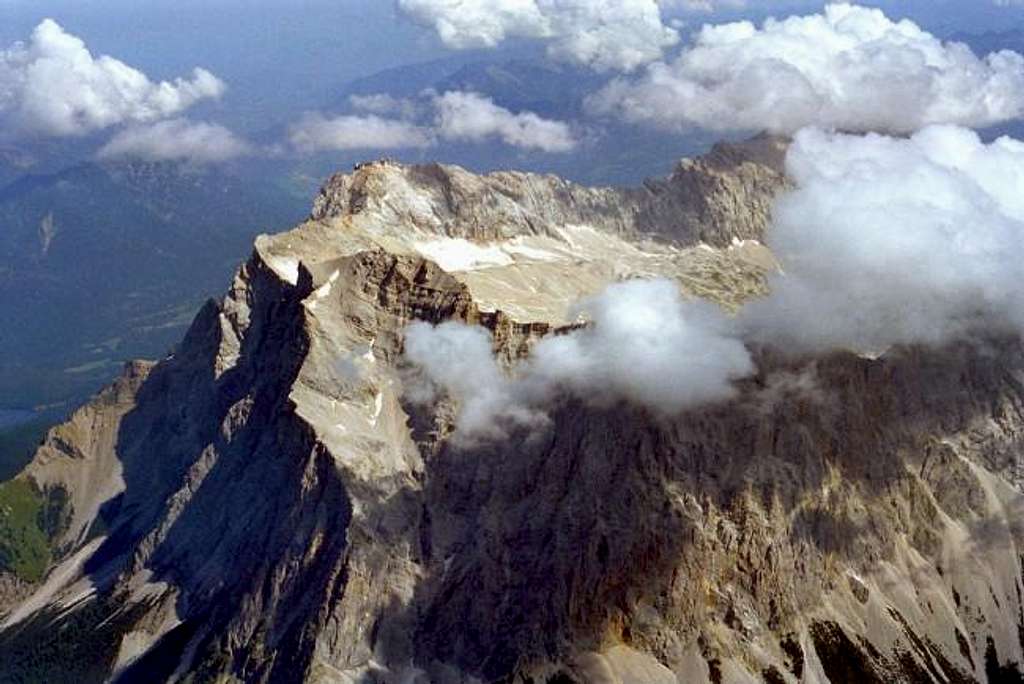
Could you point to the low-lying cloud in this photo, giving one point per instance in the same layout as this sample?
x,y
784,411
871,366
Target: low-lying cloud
x,y
458,359
389,123
849,68
315,132
176,140
53,86
603,34
475,118
890,241
644,344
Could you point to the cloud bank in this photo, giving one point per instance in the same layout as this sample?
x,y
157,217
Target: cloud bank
x,y
603,34
454,116
849,68
176,140
895,241
54,86
645,344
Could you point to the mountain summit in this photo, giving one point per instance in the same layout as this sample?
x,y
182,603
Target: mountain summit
x,y
278,501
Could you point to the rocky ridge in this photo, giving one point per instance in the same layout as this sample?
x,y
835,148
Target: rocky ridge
x,y
270,505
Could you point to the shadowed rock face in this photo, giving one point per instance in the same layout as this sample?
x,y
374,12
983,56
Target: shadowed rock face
x,y
269,504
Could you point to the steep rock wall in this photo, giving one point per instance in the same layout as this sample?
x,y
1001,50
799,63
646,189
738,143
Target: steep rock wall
x,y
270,503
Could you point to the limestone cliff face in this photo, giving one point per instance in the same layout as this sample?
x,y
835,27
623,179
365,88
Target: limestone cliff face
x,y
716,199
269,504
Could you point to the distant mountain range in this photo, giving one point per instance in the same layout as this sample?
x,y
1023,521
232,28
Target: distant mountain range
x,y
101,263
611,153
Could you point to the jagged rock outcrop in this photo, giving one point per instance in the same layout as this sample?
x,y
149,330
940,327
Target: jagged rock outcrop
x,y
721,197
269,503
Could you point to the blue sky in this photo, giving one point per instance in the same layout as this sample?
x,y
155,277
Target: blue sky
x,y
272,42
280,58
273,54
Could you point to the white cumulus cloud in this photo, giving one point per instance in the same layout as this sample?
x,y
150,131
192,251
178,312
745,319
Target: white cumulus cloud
x,y
604,34
423,122
176,140
472,117
53,85
644,344
895,240
648,345
705,6
315,132
850,68
459,359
